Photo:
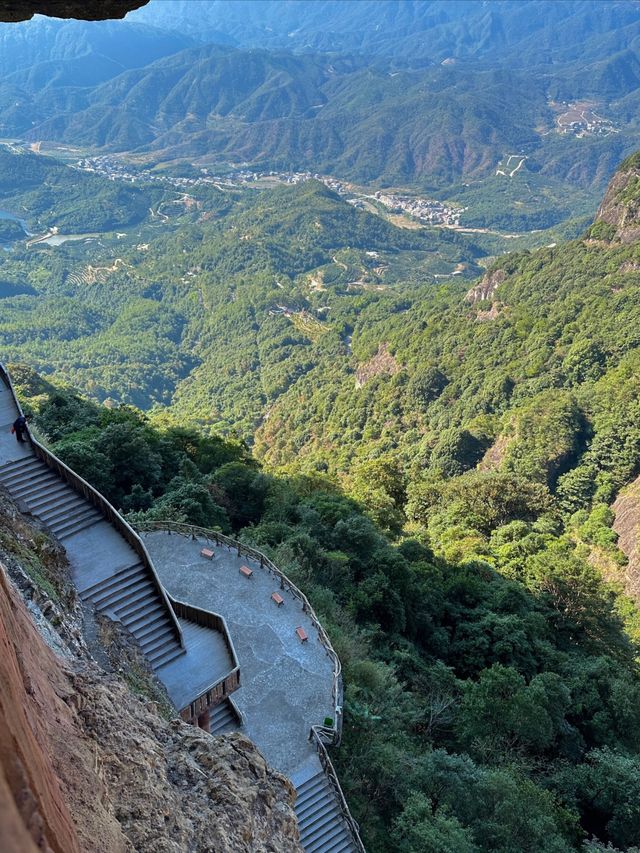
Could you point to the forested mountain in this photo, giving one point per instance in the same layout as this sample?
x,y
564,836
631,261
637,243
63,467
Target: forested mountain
x,y
431,95
525,33
445,499
217,278
521,367
339,116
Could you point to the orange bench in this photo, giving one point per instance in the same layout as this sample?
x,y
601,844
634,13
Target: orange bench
x,y
246,571
279,600
302,634
207,552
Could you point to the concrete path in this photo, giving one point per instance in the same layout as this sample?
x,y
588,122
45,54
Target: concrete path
x,y
285,684
107,571
206,661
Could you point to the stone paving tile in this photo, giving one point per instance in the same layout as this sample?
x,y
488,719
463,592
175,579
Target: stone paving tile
x,y
286,684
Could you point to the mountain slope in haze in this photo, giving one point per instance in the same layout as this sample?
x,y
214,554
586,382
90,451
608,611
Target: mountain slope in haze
x,y
114,44
521,33
491,81
338,116
52,62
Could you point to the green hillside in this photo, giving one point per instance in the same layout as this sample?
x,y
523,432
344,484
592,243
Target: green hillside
x,y
47,194
550,331
432,128
232,296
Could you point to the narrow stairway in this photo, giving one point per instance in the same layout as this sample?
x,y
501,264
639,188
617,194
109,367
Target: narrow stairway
x,y
119,585
130,597
322,826
48,497
223,718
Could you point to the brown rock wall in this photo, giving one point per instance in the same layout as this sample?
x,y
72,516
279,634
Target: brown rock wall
x,y
86,766
621,206
627,525
31,789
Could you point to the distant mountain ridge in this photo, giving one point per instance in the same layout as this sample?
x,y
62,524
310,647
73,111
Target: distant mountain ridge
x,y
425,95
126,45
335,115
522,33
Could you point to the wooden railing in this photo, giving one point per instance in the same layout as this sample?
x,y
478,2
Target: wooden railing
x,y
102,505
229,682
327,765
319,735
332,733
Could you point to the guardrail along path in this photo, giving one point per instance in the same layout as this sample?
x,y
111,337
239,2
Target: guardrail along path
x,y
111,568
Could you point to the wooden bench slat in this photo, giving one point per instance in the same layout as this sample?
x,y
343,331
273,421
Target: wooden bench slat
x,y
279,600
302,634
208,553
246,571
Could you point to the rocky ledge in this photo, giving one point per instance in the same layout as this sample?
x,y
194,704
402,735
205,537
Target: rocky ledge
x,y
618,217
89,760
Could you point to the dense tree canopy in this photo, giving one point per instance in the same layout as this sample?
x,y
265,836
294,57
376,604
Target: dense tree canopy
x,y
492,698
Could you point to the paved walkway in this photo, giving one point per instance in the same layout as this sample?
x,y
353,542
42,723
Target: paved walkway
x,y
206,661
99,553
285,684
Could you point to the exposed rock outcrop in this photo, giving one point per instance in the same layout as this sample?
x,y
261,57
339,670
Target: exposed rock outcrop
x,y
86,765
86,10
494,456
627,525
382,363
486,287
620,208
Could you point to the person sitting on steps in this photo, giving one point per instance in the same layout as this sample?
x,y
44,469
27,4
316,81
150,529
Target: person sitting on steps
x,y
20,428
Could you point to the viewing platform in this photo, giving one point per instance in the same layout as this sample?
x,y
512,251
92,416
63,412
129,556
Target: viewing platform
x,y
203,609
286,683
290,699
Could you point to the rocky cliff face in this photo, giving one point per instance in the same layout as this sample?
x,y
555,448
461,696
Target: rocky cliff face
x,y
86,765
86,10
618,217
485,289
627,525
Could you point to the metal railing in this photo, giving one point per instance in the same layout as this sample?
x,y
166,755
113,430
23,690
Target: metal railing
x,y
318,735
102,505
331,733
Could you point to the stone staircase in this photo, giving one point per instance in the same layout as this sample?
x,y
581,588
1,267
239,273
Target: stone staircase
x,y
130,597
49,498
223,718
110,575
118,581
322,826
